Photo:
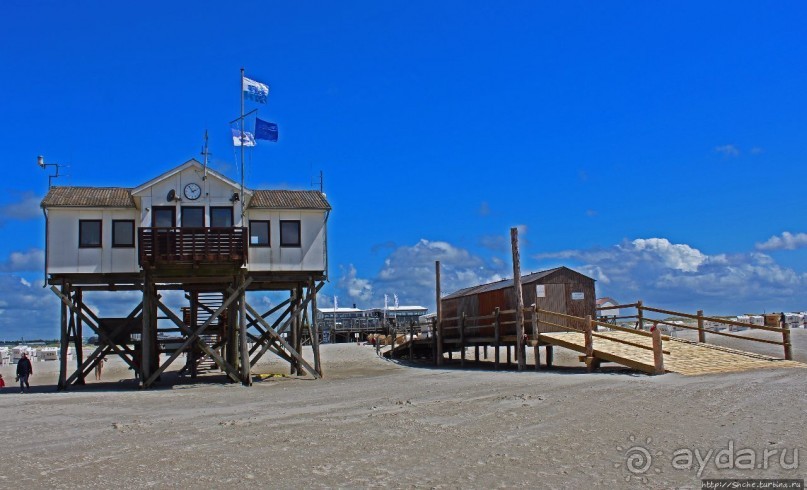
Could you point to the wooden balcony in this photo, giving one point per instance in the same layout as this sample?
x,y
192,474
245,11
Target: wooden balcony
x,y
192,246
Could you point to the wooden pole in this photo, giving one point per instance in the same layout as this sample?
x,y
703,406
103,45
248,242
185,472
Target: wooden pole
x,y
79,339
520,351
439,314
640,315
63,342
476,353
462,340
497,336
537,348
701,331
312,292
434,340
246,369
786,340
411,341
658,354
145,334
589,344
550,355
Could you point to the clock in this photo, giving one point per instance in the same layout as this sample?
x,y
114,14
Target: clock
x,y
192,191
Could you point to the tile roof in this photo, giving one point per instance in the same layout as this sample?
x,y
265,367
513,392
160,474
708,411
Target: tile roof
x,y
289,200
88,197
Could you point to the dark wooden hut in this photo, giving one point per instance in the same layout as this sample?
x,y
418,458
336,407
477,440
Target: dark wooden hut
x,y
561,290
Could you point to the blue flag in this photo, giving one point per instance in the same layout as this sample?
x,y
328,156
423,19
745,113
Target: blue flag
x,y
265,130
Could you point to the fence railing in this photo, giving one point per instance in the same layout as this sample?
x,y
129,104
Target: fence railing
x,y
178,245
642,319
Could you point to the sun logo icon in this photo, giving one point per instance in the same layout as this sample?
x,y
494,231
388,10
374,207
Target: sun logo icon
x,y
638,460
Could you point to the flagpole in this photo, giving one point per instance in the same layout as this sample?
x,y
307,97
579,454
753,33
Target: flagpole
x,y
241,194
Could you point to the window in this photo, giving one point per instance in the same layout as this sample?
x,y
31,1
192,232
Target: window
x,y
221,217
164,217
89,233
123,232
290,233
193,217
258,233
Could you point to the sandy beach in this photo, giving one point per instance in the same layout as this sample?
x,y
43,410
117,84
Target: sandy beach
x,y
374,422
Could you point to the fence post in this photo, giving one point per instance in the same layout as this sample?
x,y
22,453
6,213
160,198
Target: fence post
x,y
786,340
658,354
640,314
589,344
434,340
520,351
462,340
536,348
496,337
701,331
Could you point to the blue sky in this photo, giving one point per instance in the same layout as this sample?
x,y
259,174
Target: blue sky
x,y
658,148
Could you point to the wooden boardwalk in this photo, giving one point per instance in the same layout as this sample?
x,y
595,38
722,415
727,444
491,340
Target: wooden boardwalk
x,y
685,357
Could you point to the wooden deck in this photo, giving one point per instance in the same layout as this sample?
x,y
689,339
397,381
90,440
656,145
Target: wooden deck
x,y
685,357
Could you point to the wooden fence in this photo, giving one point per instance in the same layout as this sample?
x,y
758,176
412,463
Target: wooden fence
x,y
642,320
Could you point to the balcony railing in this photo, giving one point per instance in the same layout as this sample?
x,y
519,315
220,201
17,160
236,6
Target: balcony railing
x,y
192,246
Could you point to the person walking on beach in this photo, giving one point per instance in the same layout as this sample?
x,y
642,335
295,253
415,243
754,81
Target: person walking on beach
x,y
24,369
99,369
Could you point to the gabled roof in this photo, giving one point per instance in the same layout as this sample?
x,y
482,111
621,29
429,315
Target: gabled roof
x,y
505,283
606,299
88,197
190,163
280,199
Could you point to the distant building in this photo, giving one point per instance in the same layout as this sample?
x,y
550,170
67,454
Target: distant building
x,y
604,303
343,323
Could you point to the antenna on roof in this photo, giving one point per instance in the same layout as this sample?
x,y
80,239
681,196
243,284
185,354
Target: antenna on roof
x,y
205,154
320,181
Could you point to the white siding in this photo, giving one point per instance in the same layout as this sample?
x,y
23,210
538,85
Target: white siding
x,y
309,257
64,254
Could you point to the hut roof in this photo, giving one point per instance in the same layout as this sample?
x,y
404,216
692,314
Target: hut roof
x,y
506,283
282,199
88,197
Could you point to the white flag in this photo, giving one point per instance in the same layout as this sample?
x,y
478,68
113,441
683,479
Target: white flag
x,y
256,91
248,139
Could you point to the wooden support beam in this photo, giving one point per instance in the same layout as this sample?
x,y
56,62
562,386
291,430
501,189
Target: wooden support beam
x,y
79,338
314,328
497,335
283,342
786,340
536,348
550,355
230,370
63,342
195,335
246,375
640,315
520,351
462,340
439,314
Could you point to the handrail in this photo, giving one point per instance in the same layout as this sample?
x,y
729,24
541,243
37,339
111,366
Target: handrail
x,y
713,319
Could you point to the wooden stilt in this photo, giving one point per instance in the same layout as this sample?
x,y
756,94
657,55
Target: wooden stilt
x,y
246,374
509,360
476,353
79,337
312,293
63,342
589,340
658,354
701,331
497,336
536,348
294,330
550,354
462,340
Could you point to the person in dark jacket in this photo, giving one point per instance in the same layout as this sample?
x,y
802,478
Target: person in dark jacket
x,y
24,369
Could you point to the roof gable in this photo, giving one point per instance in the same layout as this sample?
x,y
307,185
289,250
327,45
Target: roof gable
x,y
508,283
189,164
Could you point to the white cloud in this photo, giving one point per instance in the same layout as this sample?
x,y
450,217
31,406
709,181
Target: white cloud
x,y
786,241
728,150
358,289
32,260
678,275
27,207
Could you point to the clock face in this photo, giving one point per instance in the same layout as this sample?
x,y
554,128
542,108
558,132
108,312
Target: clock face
x,y
193,191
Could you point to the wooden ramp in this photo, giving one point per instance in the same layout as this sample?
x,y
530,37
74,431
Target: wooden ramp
x,y
685,357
